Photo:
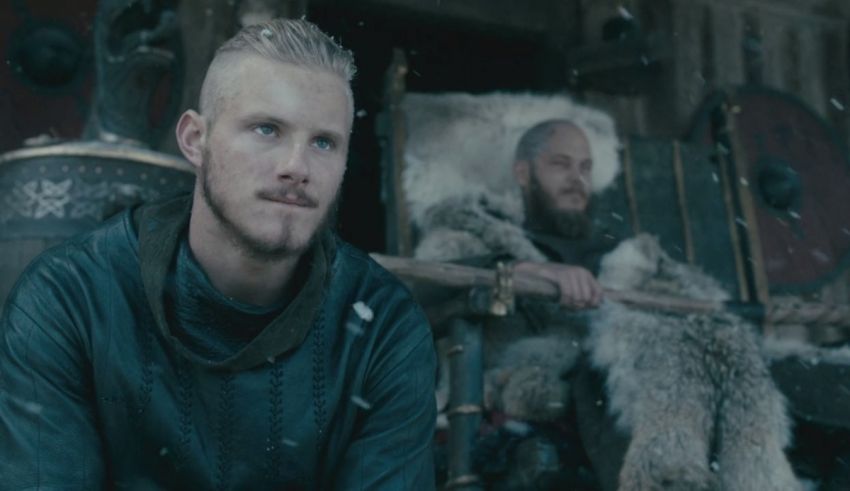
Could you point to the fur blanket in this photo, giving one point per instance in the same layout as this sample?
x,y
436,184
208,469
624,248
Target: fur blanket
x,y
693,392
463,145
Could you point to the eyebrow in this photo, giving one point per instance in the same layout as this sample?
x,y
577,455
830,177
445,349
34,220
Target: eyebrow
x,y
261,116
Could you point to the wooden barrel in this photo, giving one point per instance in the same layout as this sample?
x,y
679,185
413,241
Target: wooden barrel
x,y
50,193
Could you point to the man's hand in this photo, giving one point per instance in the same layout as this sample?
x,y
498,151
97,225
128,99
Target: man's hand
x,y
579,289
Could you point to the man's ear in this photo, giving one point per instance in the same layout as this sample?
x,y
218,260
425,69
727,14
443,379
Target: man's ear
x,y
522,172
191,135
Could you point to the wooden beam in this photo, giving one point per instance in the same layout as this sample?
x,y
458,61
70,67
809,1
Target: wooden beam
x,y
458,276
531,15
392,132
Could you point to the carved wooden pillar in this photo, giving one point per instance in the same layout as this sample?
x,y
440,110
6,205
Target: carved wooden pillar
x,y
466,365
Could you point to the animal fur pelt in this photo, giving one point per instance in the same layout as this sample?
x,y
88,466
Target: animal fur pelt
x,y
474,225
694,392
462,144
777,349
527,379
690,390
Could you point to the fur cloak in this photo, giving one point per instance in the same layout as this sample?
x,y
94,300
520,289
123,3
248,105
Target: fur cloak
x,y
693,392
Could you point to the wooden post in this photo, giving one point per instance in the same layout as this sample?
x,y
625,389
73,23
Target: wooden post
x,y
628,177
466,393
392,136
684,212
727,181
746,204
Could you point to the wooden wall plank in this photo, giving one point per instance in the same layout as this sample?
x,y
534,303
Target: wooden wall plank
x,y
728,30
773,31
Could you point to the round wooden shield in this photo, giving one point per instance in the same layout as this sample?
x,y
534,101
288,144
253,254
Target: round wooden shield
x,y
795,170
47,75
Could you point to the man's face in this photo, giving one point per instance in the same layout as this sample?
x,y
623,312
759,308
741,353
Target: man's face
x,y
562,171
274,157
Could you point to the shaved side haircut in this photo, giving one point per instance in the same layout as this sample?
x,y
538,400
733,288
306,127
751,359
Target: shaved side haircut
x,y
294,41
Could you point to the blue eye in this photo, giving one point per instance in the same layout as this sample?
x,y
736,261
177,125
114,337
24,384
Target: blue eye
x,y
323,143
265,129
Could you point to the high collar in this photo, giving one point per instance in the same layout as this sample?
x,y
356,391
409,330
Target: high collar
x,y
586,251
160,227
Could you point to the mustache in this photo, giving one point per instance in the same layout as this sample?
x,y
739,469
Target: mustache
x,y
577,187
289,194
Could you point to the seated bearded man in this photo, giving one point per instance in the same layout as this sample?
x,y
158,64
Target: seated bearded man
x,y
655,397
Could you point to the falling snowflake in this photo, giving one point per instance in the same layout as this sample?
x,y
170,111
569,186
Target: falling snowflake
x,y
361,113
289,443
617,216
820,255
715,467
517,427
837,104
354,329
267,33
624,13
361,403
163,451
33,407
364,312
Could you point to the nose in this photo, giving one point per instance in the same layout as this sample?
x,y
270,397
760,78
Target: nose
x,y
292,166
572,173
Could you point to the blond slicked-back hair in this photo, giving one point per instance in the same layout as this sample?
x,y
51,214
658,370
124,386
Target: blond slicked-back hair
x,y
294,41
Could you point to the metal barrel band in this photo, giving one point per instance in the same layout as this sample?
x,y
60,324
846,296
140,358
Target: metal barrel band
x,y
502,301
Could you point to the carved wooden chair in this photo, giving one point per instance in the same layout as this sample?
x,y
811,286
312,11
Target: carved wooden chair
x,y
711,200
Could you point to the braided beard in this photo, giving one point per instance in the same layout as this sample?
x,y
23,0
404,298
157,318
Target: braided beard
x,y
541,215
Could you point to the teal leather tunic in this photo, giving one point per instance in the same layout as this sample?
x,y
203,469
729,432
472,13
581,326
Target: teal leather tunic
x,y
99,391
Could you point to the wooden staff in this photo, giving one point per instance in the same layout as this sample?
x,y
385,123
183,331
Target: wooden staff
x,y
459,276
